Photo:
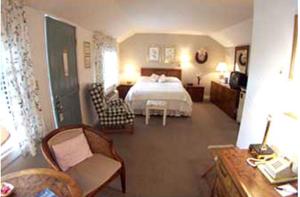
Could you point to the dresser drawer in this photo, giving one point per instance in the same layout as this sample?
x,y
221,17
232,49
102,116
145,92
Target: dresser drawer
x,y
226,181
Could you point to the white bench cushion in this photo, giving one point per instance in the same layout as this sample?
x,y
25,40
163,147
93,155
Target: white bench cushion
x,y
156,103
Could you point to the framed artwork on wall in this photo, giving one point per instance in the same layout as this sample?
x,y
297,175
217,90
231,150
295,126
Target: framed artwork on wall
x,y
87,54
241,59
154,53
201,56
294,64
170,55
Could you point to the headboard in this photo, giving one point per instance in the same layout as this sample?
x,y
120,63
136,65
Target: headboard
x,y
172,72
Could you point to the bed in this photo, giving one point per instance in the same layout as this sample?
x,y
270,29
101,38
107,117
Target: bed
x,y
170,90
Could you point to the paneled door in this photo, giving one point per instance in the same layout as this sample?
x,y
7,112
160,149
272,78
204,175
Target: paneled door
x,y
61,48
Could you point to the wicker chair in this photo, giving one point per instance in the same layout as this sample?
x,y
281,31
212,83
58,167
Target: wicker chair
x,y
114,115
95,172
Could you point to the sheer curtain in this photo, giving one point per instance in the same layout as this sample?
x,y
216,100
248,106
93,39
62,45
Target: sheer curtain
x,y
110,68
17,83
105,60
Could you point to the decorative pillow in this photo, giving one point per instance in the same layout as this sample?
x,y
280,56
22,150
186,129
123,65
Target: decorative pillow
x,y
172,79
154,77
71,152
162,79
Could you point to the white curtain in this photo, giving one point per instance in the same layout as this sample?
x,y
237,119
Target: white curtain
x,y
17,83
105,60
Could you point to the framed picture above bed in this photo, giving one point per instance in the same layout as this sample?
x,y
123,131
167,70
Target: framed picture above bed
x,y
170,55
154,53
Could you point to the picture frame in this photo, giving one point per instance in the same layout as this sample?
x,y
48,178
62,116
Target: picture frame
x,y
154,53
241,59
294,50
87,54
169,55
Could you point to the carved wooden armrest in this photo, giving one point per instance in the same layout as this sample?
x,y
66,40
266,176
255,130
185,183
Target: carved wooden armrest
x,y
101,144
48,156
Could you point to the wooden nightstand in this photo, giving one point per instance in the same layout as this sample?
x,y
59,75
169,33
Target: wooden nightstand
x,y
123,89
196,92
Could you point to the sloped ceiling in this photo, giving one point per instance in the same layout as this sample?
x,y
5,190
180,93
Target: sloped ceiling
x,y
122,18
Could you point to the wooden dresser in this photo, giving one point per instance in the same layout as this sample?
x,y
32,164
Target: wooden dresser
x,y
225,98
235,178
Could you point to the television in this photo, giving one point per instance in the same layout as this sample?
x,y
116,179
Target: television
x,y
238,80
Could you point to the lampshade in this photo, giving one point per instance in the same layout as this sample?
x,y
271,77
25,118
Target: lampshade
x,y
221,67
130,73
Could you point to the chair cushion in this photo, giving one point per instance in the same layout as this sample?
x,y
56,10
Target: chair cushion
x,y
93,172
72,151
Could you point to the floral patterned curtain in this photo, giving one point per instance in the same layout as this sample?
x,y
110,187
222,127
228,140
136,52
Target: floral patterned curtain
x,y
17,83
102,43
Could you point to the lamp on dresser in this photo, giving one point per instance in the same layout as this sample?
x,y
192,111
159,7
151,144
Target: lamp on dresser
x,y
222,69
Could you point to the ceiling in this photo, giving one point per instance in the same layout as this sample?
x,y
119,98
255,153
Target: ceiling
x,y
122,18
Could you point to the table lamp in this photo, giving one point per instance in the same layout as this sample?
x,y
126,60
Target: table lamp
x,y
198,75
130,73
222,68
261,151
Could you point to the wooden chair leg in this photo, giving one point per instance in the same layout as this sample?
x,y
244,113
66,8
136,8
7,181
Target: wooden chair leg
x,y
208,170
123,179
213,189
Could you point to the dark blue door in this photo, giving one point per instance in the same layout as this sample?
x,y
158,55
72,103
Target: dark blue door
x,y
61,46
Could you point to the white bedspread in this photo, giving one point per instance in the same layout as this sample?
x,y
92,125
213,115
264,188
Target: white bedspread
x,y
178,99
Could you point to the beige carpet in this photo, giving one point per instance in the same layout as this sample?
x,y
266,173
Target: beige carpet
x,y
168,161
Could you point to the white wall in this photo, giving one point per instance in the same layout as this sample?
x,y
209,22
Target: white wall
x,y
235,35
269,65
36,28
134,51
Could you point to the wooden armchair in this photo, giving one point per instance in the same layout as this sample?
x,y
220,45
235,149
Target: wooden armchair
x,y
95,172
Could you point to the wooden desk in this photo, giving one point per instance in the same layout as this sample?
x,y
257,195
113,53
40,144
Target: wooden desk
x,y
235,178
31,181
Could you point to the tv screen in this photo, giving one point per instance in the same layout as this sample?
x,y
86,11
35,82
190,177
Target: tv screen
x,y
238,80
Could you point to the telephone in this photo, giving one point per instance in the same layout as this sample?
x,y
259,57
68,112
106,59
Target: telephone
x,y
278,170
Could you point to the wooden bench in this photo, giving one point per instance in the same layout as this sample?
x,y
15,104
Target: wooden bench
x,y
156,105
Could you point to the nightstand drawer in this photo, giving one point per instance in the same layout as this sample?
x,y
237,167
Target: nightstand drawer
x,y
196,93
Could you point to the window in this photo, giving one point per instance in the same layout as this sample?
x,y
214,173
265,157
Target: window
x,y
9,140
110,68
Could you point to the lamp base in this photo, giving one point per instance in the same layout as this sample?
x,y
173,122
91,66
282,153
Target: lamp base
x,y
258,152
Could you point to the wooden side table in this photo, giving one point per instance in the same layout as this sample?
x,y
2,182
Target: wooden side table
x,y
123,90
196,93
32,181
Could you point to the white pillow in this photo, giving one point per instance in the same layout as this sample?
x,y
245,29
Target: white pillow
x,y
162,79
145,79
172,79
71,152
154,77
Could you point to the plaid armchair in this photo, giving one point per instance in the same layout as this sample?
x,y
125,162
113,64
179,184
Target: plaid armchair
x,y
112,114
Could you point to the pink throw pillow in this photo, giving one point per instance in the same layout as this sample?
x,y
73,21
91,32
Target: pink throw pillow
x,y
71,152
